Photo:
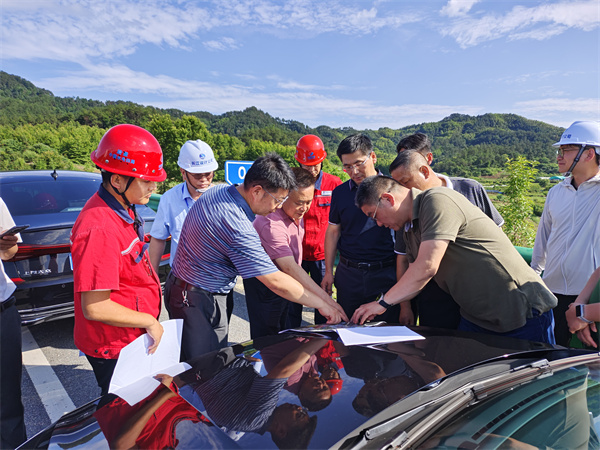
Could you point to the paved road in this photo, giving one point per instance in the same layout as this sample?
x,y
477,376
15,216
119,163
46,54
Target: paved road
x,y
56,379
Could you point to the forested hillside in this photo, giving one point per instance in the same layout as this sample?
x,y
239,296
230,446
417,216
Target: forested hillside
x,y
40,130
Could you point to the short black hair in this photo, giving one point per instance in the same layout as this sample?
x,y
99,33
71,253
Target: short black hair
x,y
303,178
407,159
418,141
271,172
298,437
371,188
355,143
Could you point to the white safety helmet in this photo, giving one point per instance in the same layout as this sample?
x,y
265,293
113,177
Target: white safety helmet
x,y
582,133
197,157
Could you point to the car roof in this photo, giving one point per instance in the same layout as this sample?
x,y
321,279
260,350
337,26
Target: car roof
x,y
43,175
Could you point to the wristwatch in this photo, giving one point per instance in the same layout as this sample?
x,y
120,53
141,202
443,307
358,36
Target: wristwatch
x,y
383,303
580,313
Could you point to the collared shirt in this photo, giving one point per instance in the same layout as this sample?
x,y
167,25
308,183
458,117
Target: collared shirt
x,y
481,269
108,254
567,244
172,210
240,399
280,235
474,192
7,287
361,240
219,242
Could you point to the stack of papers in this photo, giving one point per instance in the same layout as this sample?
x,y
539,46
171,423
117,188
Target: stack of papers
x,y
133,379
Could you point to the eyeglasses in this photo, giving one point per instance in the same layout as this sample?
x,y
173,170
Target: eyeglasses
x,y
561,151
355,166
375,212
277,201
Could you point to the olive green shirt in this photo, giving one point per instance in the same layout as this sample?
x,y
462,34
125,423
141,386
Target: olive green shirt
x,y
493,285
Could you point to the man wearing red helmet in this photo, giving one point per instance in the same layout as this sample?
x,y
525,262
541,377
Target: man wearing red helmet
x,y
310,154
117,292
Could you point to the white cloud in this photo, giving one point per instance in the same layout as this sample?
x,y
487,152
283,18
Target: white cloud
x,y
587,108
221,44
537,22
458,7
305,106
81,30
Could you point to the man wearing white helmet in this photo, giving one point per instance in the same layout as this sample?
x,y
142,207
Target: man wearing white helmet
x,y
567,244
197,164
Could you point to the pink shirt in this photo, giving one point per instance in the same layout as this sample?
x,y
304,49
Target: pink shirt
x,y
280,235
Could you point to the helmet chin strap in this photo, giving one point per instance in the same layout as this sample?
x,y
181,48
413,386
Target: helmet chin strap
x,y
575,161
136,221
199,191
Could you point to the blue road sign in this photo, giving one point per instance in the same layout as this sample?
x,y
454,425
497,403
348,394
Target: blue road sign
x,y
235,171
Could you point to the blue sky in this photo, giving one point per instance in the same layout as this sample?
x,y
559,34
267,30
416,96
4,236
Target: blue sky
x,y
364,64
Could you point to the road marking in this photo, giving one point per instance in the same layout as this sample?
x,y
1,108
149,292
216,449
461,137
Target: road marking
x,y
55,399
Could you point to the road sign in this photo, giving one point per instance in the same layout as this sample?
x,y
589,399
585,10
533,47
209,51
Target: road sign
x,y
235,171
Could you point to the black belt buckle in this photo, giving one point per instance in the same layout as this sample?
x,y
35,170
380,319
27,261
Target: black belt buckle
x,y
367,266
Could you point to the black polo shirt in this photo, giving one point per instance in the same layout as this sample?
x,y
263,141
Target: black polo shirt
x,y
361,240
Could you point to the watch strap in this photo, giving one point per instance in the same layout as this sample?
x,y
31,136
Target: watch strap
x,y
580,313
383,303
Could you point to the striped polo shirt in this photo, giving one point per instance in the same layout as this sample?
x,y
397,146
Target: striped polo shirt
x,y
219,242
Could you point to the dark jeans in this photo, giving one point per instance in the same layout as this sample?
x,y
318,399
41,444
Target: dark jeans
x,y
316,270
539,328
204,314
356,287
12,425
561,330
436,308
103,371
267,311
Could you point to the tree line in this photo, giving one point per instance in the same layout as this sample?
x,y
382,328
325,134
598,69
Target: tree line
x,y
40,130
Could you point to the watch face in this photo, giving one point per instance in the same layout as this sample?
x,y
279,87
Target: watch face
x,y
579,310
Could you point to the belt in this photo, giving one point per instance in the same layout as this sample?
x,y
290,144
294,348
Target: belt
x,y
368,266
190,287
8,303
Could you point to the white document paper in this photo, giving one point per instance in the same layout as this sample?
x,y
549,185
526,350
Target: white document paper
x,y
377,335
133,378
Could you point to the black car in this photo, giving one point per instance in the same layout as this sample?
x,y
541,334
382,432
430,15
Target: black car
x,y
301,390
49,202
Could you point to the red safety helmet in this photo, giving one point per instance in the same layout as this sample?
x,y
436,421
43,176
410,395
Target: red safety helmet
x,y
335,385
131,151
310,150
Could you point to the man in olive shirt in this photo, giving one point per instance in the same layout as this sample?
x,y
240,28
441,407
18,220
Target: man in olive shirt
x,y
453,241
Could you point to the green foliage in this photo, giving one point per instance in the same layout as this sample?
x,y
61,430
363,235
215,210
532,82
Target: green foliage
x,y
462,145
517,205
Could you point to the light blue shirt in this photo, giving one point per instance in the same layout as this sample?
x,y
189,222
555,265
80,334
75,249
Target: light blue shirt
x,y
172,211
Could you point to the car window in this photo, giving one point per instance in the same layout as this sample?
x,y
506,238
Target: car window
x,y
557,411
48,197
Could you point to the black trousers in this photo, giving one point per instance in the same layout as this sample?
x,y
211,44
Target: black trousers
x,y
103,371
436,308
356,287
316,270
12,424
267,311
561,328
204,314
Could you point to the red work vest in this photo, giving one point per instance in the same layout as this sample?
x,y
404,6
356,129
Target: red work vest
x,y
316,219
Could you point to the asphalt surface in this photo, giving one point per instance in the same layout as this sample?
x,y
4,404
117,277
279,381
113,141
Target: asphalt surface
x,y
57,379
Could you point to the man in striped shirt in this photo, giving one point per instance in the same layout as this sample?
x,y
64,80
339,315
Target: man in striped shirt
x,y
218,242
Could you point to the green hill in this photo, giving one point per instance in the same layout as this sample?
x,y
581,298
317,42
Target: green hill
x,y
64,131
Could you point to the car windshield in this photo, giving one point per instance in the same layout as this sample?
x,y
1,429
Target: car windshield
x,y
561,410
48,197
